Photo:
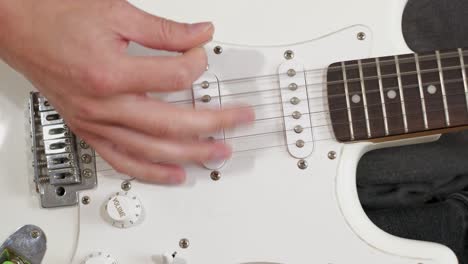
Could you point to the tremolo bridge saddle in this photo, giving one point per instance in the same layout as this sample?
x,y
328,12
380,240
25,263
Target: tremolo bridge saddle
x,y
63,163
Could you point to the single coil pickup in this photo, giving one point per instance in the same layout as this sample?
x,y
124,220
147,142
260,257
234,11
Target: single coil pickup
x,y
63,176
57,146
55,131
51,118
58,161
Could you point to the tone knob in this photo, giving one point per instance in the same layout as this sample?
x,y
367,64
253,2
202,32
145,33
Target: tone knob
x,y
99,258
124,209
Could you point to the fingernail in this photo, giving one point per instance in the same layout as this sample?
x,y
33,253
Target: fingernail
x,y
202,27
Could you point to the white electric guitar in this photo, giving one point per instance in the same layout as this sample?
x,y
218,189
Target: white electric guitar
x,y
288,195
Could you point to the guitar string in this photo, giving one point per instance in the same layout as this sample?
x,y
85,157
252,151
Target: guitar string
x,y
362,125
390,61
320,85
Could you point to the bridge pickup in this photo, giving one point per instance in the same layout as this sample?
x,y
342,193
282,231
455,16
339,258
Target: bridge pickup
x,y
63,164
207,95
296,111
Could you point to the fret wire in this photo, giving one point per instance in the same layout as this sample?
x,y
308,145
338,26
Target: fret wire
x,y
421,91
463,69
382,96
442,86
348,105
364,99
402,98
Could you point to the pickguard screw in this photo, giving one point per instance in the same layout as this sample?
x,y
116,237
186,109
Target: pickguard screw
x,y
87,173
215,175
184,243
83,144
85,200
291,73
86,158
126,186
205,85
332,155
361,36
218,50
302,164
35,234
289,54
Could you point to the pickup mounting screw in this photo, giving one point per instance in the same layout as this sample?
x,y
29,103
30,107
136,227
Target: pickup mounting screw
x,y
332,155
35,234
184,243
361,36
289,54
218,50
85,200
302,164
126,186
215,175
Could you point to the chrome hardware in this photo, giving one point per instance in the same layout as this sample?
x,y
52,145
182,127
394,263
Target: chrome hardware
x,y
297,123
289,54
184,243
126,186
332,155
218,50
291,73
209,98
215,175
302,164
361,36
63,164
85,200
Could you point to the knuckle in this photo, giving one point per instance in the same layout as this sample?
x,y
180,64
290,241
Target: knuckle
x,y
100,80
166,28
86,111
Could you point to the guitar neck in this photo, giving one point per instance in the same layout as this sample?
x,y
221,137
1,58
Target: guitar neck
x,y
398,95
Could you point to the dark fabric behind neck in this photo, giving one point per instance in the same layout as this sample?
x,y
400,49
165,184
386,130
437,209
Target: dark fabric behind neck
x,y
435,24
421,191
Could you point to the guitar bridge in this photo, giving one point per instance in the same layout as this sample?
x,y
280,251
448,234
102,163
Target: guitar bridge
x,y
63,163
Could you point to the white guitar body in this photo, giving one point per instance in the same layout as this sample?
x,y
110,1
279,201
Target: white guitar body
x,y
264,208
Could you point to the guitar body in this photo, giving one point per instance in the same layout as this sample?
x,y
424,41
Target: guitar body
x,y
264,208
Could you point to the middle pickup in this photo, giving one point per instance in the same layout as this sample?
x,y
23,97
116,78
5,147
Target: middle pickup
x,y
296,111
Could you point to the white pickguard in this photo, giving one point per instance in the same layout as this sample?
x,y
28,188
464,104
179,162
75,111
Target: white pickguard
x,y
264,209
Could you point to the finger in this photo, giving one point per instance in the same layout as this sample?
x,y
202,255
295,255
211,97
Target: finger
x,y
138,168
164,120
160,33
158,74
162,150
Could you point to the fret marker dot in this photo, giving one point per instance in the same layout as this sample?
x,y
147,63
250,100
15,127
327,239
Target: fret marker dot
x,y
391,94
356,98
431,89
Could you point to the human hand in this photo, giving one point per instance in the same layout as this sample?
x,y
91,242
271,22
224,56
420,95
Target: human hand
x,y
74,53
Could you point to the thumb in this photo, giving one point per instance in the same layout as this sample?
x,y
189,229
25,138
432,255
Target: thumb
x,y
160,33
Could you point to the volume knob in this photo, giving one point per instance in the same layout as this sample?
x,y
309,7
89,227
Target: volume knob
x,y
99,258
124,209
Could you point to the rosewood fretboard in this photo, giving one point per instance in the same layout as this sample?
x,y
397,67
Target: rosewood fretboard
x,y
395,95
